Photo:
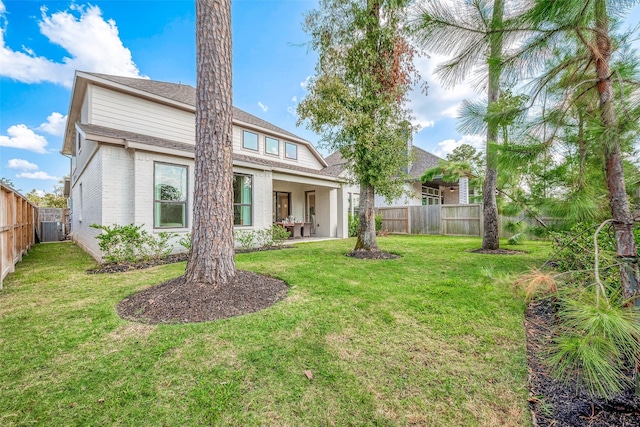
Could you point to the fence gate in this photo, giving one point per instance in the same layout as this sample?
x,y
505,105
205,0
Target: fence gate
x,y
51,231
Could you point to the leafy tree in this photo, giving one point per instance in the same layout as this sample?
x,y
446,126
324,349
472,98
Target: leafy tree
x,y
356,99
211,257
476,34
8,182
47,200
588,21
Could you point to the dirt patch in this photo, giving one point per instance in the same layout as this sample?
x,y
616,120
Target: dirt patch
x,y
178,301
497,252
555,403
372,255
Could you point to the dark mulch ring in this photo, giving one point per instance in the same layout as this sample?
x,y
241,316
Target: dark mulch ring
x,y
555,403
136,265
497,251
372,255
178,301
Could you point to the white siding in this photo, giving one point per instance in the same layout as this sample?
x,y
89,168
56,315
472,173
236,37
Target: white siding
x,y
118,176
125,112
306,159
413,199
87,208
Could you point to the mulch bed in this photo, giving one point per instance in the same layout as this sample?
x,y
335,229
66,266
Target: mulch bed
x,y
372,255
555,403
137,265
178,301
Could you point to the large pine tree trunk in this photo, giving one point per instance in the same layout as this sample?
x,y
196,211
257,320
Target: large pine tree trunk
x,y
211,258
367,223
491,236
626,250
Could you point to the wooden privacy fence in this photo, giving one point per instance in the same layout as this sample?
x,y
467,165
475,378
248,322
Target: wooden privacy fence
x,y
18,219
448,220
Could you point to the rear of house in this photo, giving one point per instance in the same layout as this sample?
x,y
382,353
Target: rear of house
x,y
131,145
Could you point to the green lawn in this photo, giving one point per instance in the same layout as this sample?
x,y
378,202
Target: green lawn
x,y
433,338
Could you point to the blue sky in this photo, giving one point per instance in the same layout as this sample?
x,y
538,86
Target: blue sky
x,y
42,42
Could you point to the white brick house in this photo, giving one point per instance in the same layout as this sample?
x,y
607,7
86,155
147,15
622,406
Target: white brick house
x,y
131,144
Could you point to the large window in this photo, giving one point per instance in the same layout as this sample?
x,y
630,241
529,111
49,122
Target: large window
x,y
271,146
170,196
242,199
290,151
430,195
250,140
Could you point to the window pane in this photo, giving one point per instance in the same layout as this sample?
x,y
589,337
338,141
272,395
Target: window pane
x,y
250,140
171,182
291,151
170,214
241,215
242,189
271,146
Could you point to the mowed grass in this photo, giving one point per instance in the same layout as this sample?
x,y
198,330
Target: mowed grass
x,y
434,338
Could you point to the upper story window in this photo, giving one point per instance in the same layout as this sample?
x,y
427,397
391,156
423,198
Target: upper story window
x,y
271,146
78,141
290,151
250,140
170,196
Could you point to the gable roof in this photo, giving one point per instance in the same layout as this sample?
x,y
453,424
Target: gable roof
x,y
422,160
174,94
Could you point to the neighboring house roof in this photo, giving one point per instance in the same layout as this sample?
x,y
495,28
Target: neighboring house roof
x,y
175,94
422,160
150,143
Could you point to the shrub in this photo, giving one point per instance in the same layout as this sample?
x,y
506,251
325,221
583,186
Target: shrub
x,y
246,239
157,247
353,224
378,219
120,243
185,241
278,235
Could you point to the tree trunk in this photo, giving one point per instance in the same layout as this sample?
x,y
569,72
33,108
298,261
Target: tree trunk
x,y
491,236
626,250
211,258
367,221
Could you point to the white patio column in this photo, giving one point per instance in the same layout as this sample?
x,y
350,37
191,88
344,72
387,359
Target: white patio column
x,y
463,191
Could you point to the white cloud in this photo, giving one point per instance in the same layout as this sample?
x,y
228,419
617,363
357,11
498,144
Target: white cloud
x,y
305,83
294,99
54,125
23,165
448,145
37,175
423,124
262,106
21,137
439,103
292,110
93,44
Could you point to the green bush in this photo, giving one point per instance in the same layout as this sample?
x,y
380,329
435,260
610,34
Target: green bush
x,y
130,243
264,238
185,241
378,219
353,224
120,243
157,247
